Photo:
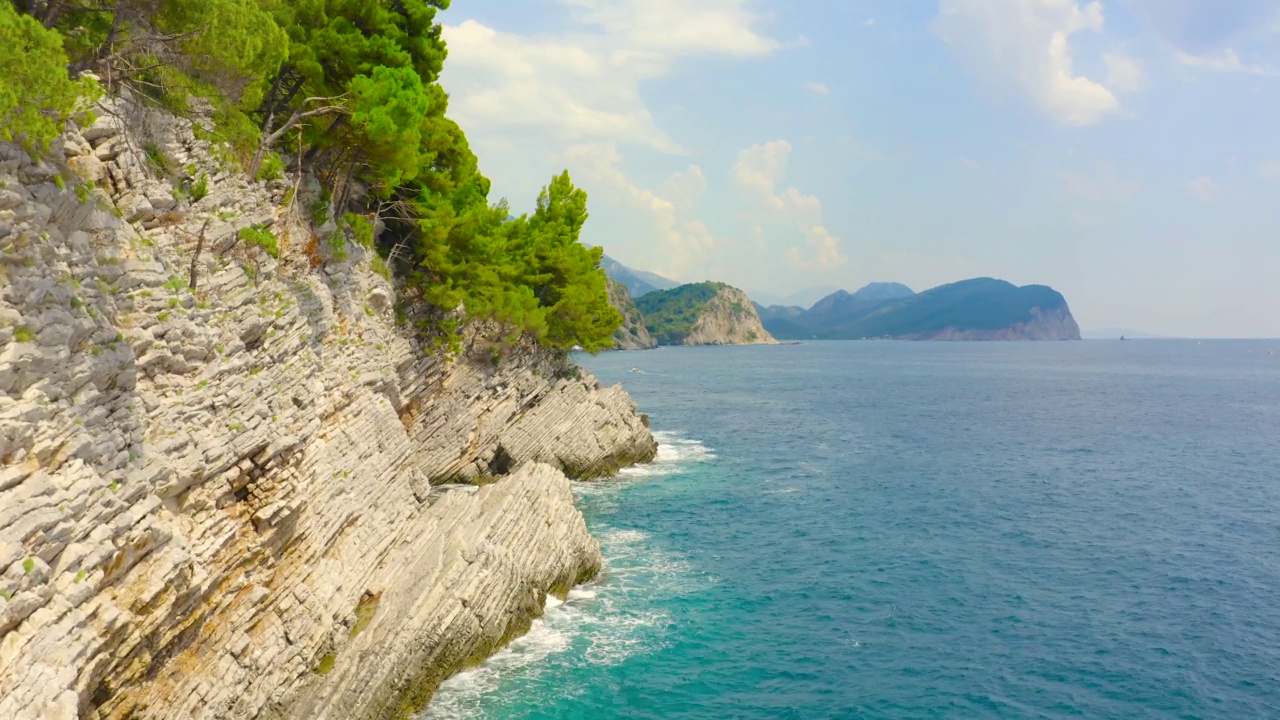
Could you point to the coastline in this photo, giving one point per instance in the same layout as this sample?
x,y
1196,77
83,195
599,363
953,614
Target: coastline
x,y
226,499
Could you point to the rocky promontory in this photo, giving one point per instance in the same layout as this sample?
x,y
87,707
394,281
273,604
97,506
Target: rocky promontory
x,y
231,483
707,313
632,335
977,309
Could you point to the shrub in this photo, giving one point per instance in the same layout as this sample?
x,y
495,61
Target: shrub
x,y
262,238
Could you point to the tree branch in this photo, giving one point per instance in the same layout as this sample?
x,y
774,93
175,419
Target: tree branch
x,y
295,120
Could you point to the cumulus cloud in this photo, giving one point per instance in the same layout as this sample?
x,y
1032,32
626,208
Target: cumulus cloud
x,y
817,88
1024,46
1270,171
675,241
759,171
1203,189
584,85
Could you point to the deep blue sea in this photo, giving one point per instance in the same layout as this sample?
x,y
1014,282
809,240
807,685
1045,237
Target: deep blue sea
x,y
924,530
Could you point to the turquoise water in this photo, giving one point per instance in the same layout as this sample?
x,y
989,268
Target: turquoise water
x,y
893,530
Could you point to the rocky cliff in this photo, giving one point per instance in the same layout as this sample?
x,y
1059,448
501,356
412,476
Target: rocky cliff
x,y
703,314
633,335
239,498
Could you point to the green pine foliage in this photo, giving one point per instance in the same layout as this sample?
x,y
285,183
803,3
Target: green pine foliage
x,y
37,94
671,314
350,89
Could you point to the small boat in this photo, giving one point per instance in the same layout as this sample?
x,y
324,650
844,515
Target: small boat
x,y
1123,338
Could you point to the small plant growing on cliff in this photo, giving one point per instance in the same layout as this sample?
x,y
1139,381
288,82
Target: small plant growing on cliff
x,y
272,168
24,334
200,190
156,159
29,565
6,595
260,237
361,229
175,284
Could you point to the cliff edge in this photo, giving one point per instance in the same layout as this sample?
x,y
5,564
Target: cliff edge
x,y
632,335
238,497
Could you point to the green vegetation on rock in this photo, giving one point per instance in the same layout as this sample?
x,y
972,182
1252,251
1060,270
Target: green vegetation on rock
x,y
37,95
348,91
671,314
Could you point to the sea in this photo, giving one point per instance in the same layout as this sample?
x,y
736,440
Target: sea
x,y
900,531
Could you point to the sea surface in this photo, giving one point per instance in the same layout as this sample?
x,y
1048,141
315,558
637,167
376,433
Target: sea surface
x,y
908,531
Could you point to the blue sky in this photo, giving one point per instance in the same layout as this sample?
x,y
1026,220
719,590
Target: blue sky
x,y
1126,152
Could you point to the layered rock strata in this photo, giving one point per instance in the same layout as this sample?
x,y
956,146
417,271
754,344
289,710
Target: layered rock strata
x,y
238,499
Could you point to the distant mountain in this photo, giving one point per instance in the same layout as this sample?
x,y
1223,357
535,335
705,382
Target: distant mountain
x,y
979,309
637,282
702,314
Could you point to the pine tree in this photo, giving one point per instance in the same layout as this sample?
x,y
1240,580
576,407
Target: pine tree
x,y
37,95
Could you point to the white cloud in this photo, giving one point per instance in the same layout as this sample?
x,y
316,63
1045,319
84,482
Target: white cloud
x,y
1270,171
673,242
817,88
1125,74
1203,189
584,85
760,170
869,23
826,251
1228,61
1023,46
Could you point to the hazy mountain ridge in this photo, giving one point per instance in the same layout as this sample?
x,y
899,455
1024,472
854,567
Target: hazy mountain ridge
x,y
977,309
637,282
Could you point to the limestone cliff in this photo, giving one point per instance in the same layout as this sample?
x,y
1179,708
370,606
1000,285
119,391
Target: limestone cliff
x,y
703,314
236,499
633,335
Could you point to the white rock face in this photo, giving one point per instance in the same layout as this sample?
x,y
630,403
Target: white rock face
x,y
218,502
729,319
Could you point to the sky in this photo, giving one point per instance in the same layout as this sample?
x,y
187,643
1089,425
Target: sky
x,y
1124,152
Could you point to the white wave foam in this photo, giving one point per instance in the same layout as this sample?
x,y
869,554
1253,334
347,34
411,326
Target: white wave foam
x,y
675,456
461,695
602,623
